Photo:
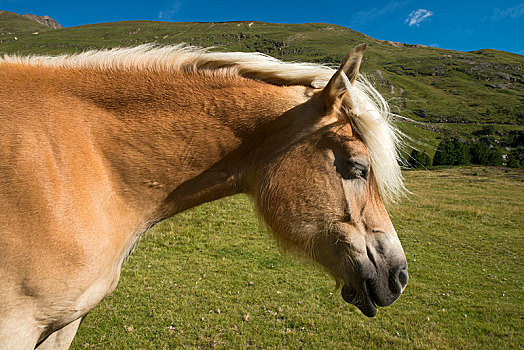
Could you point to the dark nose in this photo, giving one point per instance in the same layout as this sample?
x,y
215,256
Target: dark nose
x,y
398,280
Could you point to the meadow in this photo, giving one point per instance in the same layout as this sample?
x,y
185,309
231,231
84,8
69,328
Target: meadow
x,y
427,84
441,92
214,277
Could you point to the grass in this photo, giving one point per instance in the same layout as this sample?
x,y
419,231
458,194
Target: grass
x,y
484,86
427,136
12,25
212,277
449,91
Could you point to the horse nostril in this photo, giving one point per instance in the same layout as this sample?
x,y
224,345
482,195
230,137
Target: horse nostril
x,y
403,277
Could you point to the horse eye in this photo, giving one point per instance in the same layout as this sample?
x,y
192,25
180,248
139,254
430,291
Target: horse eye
x,y
355,171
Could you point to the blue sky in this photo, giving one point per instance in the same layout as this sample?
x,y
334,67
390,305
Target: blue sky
x,y
450,24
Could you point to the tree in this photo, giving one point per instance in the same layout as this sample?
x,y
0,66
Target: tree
x,y
425,159
482,154
495,158
443,155
516,157
419,160
414,159
512,161
452,153
460,153
479,153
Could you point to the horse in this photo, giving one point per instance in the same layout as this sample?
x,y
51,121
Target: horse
x,y
97,147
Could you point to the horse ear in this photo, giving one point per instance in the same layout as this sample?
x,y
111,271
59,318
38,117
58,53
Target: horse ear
x,y
335,89
351,63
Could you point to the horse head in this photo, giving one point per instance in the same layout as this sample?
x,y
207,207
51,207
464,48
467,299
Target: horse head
x,y
320,194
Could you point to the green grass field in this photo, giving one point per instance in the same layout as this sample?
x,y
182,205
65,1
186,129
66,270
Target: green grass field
x,y
213,277
450,92
485,86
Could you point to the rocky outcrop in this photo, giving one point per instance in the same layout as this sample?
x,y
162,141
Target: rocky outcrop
x,y
397,44
384,83
45,20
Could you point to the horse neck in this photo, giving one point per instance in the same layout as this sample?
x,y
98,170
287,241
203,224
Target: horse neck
x,y
171,142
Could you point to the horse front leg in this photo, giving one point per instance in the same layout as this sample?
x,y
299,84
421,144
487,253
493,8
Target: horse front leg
x,y
62,338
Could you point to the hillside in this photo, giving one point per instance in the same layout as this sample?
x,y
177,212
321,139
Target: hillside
x,y
45,20
450,92
14,27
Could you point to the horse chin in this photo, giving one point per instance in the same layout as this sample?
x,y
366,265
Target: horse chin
x,y
361,299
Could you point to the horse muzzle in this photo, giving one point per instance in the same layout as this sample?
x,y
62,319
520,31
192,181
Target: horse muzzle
x,y
378,279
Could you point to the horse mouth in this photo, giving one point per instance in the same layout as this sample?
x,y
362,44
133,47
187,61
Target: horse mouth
x,y
363,299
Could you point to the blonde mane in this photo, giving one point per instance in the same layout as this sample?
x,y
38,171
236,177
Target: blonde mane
x,y
370,114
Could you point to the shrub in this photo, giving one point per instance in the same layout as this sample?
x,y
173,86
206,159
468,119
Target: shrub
x,y
419,160
512,161
495,158
483,155
443,155
479,153
461,154
452,153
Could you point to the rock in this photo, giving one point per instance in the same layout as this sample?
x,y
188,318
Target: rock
x,y
395,44
383,82
45,20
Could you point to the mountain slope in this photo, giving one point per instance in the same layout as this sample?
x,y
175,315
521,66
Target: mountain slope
x,y
430,85
13,25
45,20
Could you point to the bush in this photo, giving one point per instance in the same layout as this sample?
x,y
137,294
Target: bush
x,y
479,153
443,153
419,160
495,158
483,155
452,153
486,130
512,161
516,158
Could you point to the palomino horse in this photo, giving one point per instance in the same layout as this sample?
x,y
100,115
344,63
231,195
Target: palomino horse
x,y
95,148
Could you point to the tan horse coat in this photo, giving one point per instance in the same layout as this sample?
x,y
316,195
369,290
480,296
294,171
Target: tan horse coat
x,y
91,157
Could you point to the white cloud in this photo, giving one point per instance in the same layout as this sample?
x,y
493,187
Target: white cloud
x,y
512,12
417,16
171,11
363,17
